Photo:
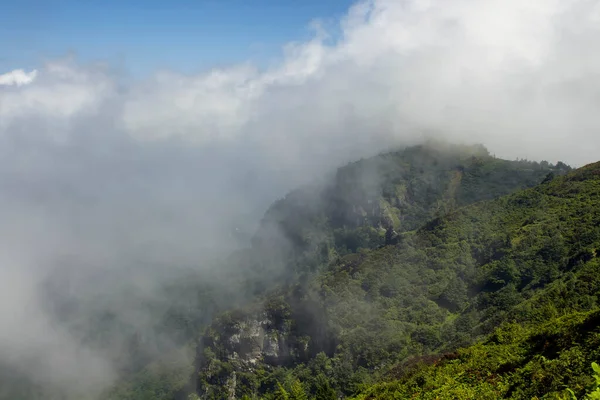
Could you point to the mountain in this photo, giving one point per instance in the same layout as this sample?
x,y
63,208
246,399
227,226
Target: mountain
x,y
380,268
496,299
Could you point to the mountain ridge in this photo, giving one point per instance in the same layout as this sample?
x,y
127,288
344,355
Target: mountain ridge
x,y
279,309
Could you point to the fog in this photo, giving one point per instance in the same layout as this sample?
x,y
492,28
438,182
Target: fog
x,y
101,171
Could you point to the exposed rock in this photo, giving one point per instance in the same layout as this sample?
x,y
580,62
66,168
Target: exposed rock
x,y
241,345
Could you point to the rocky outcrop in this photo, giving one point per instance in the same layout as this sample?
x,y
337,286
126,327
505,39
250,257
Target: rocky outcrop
x,y
239,343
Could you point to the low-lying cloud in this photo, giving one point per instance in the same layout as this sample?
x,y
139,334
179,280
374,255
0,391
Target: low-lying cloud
x,y
106,171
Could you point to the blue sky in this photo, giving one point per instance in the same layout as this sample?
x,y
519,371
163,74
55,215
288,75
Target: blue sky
x,y
145,35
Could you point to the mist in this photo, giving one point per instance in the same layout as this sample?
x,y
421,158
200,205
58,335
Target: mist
x,y
100,172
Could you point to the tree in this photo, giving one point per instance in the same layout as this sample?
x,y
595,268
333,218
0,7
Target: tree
x,y
548,177
281,393
324,390
297,391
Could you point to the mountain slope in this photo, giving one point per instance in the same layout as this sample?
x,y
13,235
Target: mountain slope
x,y
431,290
366,204
544,280
543,361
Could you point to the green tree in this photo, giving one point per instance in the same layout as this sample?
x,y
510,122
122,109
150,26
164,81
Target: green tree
x,y
297,391
281,393
324,391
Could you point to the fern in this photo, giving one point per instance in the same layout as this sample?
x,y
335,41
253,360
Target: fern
x,y
595,394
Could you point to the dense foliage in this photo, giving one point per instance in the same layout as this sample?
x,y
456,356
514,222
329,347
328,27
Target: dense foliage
x,y
552,360
429,291
527,262
437,271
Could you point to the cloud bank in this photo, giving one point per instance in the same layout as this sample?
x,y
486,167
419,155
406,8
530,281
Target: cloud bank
x,y
106,171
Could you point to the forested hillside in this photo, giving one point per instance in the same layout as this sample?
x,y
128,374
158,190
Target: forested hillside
x,y
541,289
517,275
369,203
366,291
522,260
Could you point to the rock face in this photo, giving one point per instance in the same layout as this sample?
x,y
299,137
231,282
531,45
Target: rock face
x,y
237,344
247,343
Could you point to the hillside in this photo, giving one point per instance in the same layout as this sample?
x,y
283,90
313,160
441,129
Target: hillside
x,y
525,258
550,335
368,203
400,292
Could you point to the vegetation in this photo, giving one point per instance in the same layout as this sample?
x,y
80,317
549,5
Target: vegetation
x,y
550,360
429,291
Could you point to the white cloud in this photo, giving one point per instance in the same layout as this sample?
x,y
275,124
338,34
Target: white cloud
x,y
494,71
17,77
117,170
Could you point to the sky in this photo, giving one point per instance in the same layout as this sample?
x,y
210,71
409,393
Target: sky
x,y
142,36
149,146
